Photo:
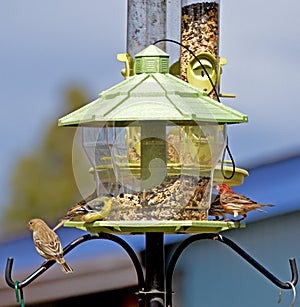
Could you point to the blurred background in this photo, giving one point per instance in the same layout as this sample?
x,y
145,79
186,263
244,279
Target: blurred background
x,y
57,55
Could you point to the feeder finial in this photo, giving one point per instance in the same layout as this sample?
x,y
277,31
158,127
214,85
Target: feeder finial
x,y
152,60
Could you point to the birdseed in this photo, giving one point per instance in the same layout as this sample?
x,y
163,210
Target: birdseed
x,y
177,198
199,31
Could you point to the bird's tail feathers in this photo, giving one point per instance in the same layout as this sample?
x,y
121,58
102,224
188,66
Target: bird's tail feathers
x,y
65,267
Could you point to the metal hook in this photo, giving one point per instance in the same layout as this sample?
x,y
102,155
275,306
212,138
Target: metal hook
x,y
259,267
184,244
46,265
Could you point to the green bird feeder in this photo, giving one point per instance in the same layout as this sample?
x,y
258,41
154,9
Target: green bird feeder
x,y
154,142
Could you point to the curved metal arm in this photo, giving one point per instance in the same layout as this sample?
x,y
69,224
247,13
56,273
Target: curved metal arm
x,y
260,268
46,265
237,249
173,260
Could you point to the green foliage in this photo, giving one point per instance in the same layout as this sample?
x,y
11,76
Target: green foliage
x,y
43,183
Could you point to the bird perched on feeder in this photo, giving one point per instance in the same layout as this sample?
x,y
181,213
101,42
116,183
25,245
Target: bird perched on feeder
x,y
47,243
88,211
237,204
216,209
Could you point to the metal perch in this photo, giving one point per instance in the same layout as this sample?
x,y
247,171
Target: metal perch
x,y
237,249
151,289
47,264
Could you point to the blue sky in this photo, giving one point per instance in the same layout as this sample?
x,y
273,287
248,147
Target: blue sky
x,y
48,45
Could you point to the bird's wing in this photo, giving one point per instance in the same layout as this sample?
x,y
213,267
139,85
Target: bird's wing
x,y
48,244
236,198
79,208
98,209
95,205
83,208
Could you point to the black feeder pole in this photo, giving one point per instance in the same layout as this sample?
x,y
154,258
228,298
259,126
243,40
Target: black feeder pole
x,y
155,270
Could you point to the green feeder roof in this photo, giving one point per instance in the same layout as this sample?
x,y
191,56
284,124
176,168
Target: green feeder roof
x,y
152,95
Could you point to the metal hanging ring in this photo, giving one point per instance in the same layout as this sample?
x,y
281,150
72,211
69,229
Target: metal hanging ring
x,y
17,291
19,294
294,293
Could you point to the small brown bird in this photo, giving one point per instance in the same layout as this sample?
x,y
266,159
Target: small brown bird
x,y
216,209
47,243
237,204
88,211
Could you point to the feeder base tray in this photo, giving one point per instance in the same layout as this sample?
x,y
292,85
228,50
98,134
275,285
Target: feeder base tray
x,y
169,227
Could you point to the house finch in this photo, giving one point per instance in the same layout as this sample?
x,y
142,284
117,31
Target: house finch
x,y
93,210
47,243
237,204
